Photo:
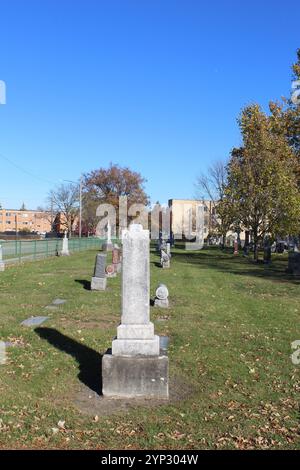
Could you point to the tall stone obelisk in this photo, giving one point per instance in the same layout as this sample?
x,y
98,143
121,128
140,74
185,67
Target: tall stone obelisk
x,y
135,367
108,246
65,245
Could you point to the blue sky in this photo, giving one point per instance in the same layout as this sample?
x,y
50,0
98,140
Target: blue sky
x,y
155,85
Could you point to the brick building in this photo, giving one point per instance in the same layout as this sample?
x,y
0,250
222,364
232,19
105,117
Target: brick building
x,y
12,220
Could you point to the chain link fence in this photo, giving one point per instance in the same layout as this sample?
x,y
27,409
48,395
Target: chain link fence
x,y
15,251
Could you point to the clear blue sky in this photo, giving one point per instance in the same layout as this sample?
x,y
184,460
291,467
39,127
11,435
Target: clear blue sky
x,y
153,84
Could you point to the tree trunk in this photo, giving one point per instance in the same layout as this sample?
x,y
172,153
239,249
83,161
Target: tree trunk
x,y
255,248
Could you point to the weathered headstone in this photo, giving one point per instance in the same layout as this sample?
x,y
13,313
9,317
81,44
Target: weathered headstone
x,y
164,245
161,297
3,357
55,304
59,301
169,249
172,240
164,342
165,259
116,259
246,249
99,279
110,271
135,367
267,251
108,246
236,245
294,263
2,265
65,246
34,321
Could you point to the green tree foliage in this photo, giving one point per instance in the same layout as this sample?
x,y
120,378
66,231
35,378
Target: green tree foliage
x,y
262,193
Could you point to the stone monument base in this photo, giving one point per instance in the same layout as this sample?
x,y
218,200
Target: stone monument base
x,y
136,340
107,247
118,267
133,377
161,303
2,266
64,253
111,274
98,283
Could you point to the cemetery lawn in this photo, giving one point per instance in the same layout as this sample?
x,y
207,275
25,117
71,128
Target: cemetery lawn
x,y
233,384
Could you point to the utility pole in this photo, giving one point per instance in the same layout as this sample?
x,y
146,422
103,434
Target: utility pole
x,y
51,219
80,206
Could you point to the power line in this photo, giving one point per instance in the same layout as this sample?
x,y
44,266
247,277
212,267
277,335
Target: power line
x,y
26,171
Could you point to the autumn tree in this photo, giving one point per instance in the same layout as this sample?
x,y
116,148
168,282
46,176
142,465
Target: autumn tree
x,y
107,185
262,192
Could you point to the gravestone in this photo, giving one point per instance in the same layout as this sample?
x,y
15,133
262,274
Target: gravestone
x,y
164,245
3,357
99,279
59,301
110,271
164,342
172,240
267,251
108,246
116,259
169,249
165,259
236,245
294,263
162,297
2,265
34,321
246,249
65,246
135,367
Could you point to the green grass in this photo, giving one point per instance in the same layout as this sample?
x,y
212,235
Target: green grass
x,y
231,325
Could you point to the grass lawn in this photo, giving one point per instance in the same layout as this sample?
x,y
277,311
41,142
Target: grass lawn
x,y
231,324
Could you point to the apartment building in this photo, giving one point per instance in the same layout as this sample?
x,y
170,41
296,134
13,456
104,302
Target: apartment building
x,y
12,220
183,218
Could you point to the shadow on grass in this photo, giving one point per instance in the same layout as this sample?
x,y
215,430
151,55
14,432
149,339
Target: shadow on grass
x,y
86,284
156,264
238,265
90,361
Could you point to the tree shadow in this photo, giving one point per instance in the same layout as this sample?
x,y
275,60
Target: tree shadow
x,y
86,284
90,361
238,265
156,263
